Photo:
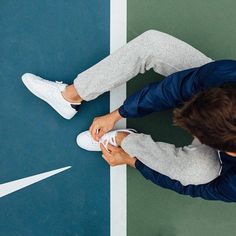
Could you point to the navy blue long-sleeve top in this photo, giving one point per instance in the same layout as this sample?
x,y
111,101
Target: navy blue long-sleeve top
x,y
169,93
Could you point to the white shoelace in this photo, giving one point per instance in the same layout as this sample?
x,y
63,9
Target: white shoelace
x,y
112,139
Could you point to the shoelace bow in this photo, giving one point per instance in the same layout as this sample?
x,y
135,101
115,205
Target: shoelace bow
x,y
110,140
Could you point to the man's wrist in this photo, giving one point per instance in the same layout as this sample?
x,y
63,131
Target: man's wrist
x,y
116,115
131,161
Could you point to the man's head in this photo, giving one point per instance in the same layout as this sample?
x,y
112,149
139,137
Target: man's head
x,y
211,117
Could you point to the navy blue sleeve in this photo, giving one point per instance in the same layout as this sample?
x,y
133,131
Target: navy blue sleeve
x,y
177,88
218,189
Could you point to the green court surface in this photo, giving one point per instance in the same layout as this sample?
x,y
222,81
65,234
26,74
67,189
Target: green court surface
x,y
152,211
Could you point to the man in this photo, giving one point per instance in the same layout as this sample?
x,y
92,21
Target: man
x,y
207,167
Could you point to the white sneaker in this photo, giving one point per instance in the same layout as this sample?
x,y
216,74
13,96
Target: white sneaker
x,y
86,141
50,92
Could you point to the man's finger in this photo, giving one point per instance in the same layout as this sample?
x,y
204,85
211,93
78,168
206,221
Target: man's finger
x,y
100,133
91,128
104,150
107,159
94,132
106,155
111,147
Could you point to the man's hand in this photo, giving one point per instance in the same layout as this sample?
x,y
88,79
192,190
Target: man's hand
x,y
104,124
117,156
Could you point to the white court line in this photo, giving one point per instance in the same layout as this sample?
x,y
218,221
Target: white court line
x,y
118,175
13,186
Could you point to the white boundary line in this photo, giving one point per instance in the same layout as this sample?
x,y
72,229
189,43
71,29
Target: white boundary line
x,y
118,175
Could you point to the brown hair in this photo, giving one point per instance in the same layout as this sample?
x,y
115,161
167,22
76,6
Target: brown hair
x,y
211,117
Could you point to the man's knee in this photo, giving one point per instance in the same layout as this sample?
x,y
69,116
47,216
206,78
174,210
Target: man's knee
x,y
150,37
151,34
146,38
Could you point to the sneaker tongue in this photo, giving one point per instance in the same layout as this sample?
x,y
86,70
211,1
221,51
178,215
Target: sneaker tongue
x,y
61,86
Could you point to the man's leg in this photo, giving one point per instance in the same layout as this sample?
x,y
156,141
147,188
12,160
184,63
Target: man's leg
x,y
193,164
166,55
152,49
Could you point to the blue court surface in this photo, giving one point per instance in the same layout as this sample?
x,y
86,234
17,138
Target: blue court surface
x,y
56,40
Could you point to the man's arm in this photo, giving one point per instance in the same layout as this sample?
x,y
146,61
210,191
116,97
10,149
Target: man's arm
x,y
177,88
218,189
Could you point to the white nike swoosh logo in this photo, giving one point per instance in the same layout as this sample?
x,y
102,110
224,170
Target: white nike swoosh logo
x,y
16,185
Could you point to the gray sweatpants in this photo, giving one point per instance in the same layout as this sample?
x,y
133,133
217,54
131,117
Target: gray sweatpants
x,y
193,164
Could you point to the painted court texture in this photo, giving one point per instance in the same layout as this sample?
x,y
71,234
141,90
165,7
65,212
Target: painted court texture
x,y
57,40
210,27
